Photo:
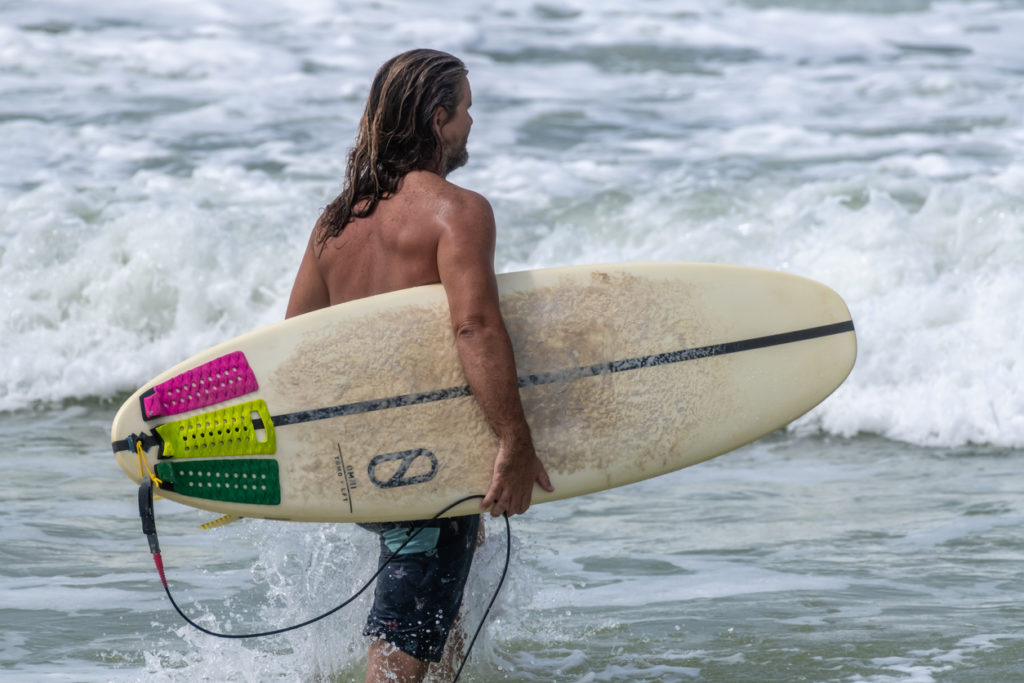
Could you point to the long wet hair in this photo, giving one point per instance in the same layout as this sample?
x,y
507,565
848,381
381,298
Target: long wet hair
x,y
396,134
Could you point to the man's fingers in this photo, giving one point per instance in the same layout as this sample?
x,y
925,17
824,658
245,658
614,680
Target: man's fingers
x,y
489,497
502,498
523,504
493,502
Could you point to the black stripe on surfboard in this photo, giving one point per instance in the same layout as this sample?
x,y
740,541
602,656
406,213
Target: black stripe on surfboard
x,y
569,374
565,375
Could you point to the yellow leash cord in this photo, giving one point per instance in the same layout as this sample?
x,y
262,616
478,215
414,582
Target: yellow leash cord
x,y
144,466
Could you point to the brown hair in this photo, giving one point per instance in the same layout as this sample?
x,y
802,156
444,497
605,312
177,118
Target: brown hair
x,y
396,134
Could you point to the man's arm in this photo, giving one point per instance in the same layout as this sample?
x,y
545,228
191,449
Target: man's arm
x,y
309,292
465,263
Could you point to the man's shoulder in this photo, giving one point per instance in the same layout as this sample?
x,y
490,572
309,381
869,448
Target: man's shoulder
x,y
470,203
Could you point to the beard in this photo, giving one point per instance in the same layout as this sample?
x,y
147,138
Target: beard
x,y
454,158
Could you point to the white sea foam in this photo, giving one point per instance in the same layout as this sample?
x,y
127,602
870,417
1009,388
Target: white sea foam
x,y
163,167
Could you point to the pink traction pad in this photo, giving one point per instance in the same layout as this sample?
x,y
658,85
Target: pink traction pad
x,y
213,382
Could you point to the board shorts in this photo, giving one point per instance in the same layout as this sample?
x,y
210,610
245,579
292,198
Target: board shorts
x,y
419,593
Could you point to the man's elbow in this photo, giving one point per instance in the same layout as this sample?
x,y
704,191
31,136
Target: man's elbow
x,y
468,329
479,328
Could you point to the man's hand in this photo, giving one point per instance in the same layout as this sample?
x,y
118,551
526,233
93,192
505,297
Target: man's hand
x,y
516,469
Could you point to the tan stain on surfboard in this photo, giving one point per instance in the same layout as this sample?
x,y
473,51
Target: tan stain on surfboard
x,y
411,349
581,421
393,352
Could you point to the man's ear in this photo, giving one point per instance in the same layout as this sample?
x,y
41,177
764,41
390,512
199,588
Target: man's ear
x,y
439,119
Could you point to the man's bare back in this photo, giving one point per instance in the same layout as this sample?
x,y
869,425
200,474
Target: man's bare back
x,y
394,248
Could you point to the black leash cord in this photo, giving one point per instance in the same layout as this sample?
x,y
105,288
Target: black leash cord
x,y
149,528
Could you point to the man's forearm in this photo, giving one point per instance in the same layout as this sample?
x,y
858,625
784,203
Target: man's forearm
x,y
489,365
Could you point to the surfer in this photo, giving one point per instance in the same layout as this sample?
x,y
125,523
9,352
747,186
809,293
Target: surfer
x,y
400,223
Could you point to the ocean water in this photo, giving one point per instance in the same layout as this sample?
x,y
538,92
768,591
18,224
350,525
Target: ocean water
x,y
161,165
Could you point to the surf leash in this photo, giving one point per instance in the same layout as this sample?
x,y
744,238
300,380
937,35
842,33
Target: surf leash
x,y
148,515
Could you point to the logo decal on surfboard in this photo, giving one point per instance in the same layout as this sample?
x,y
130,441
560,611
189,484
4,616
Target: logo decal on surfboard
x,y
347,474
405,461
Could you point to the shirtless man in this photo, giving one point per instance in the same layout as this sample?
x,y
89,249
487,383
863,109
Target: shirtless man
x,y
399,223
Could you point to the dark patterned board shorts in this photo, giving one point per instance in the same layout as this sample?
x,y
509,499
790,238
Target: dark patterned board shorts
x,y
419,594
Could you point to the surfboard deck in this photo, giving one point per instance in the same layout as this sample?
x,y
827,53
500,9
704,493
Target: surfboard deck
x,y
360,412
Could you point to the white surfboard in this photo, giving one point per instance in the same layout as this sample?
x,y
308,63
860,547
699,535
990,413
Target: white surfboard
x,y
360,412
